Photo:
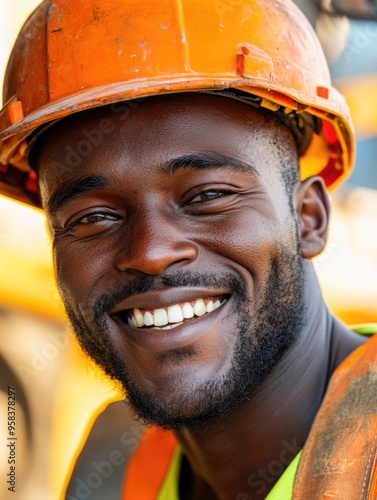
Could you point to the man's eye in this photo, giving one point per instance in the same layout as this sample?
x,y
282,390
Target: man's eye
x,y
89,224
206,196
93,219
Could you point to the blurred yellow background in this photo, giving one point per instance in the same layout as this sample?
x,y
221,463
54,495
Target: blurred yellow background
x,y
64,392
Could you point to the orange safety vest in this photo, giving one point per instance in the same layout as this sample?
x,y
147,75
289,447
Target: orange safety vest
x,y
149,465
339,459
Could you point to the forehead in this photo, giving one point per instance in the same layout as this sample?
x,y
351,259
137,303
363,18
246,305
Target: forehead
x,y
151,132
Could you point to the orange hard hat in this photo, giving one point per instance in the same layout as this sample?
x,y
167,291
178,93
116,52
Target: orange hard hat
x,y
73,55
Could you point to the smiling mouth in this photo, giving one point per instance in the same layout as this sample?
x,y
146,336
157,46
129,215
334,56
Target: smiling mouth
x,y
173,316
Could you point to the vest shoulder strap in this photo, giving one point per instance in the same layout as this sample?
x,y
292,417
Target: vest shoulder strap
x,y
339,459
149,465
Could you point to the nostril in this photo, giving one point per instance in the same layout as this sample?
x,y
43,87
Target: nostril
x,y
181,262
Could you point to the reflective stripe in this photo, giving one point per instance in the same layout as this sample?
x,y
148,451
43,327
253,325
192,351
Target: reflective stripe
x,y
149,465
365,329
170,488
283,489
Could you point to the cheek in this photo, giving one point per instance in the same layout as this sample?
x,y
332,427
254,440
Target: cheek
x,y
79,268
249,245
246,238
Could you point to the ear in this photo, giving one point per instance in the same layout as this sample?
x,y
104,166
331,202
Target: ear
x,y
313,208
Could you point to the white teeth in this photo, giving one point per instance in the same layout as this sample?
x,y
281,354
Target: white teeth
x,y
148,319
175,314
160,317
132,322
210,306
139,318
199,307
188,311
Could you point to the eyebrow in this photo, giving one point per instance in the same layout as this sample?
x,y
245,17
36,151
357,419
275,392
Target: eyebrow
x,y
73,189
208,161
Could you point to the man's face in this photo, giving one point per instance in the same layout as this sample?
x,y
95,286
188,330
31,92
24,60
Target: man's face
x,y
176,249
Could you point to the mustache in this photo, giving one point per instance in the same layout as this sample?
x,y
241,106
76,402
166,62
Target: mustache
x,y
146,283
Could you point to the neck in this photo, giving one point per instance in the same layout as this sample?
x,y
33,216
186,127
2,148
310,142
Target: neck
x,y
247,451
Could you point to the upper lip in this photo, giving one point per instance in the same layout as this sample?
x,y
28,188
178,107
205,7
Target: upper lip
x,y
164,298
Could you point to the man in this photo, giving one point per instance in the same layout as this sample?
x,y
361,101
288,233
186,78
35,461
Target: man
x,y
167,141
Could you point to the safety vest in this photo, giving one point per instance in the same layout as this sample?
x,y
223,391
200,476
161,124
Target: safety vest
x,y
339,459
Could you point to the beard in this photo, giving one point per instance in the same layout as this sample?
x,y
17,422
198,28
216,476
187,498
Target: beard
x,y
263,338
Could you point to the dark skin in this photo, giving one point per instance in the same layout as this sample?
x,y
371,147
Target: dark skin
x,y
151,221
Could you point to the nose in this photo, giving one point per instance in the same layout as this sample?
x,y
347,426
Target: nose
x,y
153,244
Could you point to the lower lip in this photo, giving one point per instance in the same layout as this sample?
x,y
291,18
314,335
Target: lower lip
x,y
191,330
